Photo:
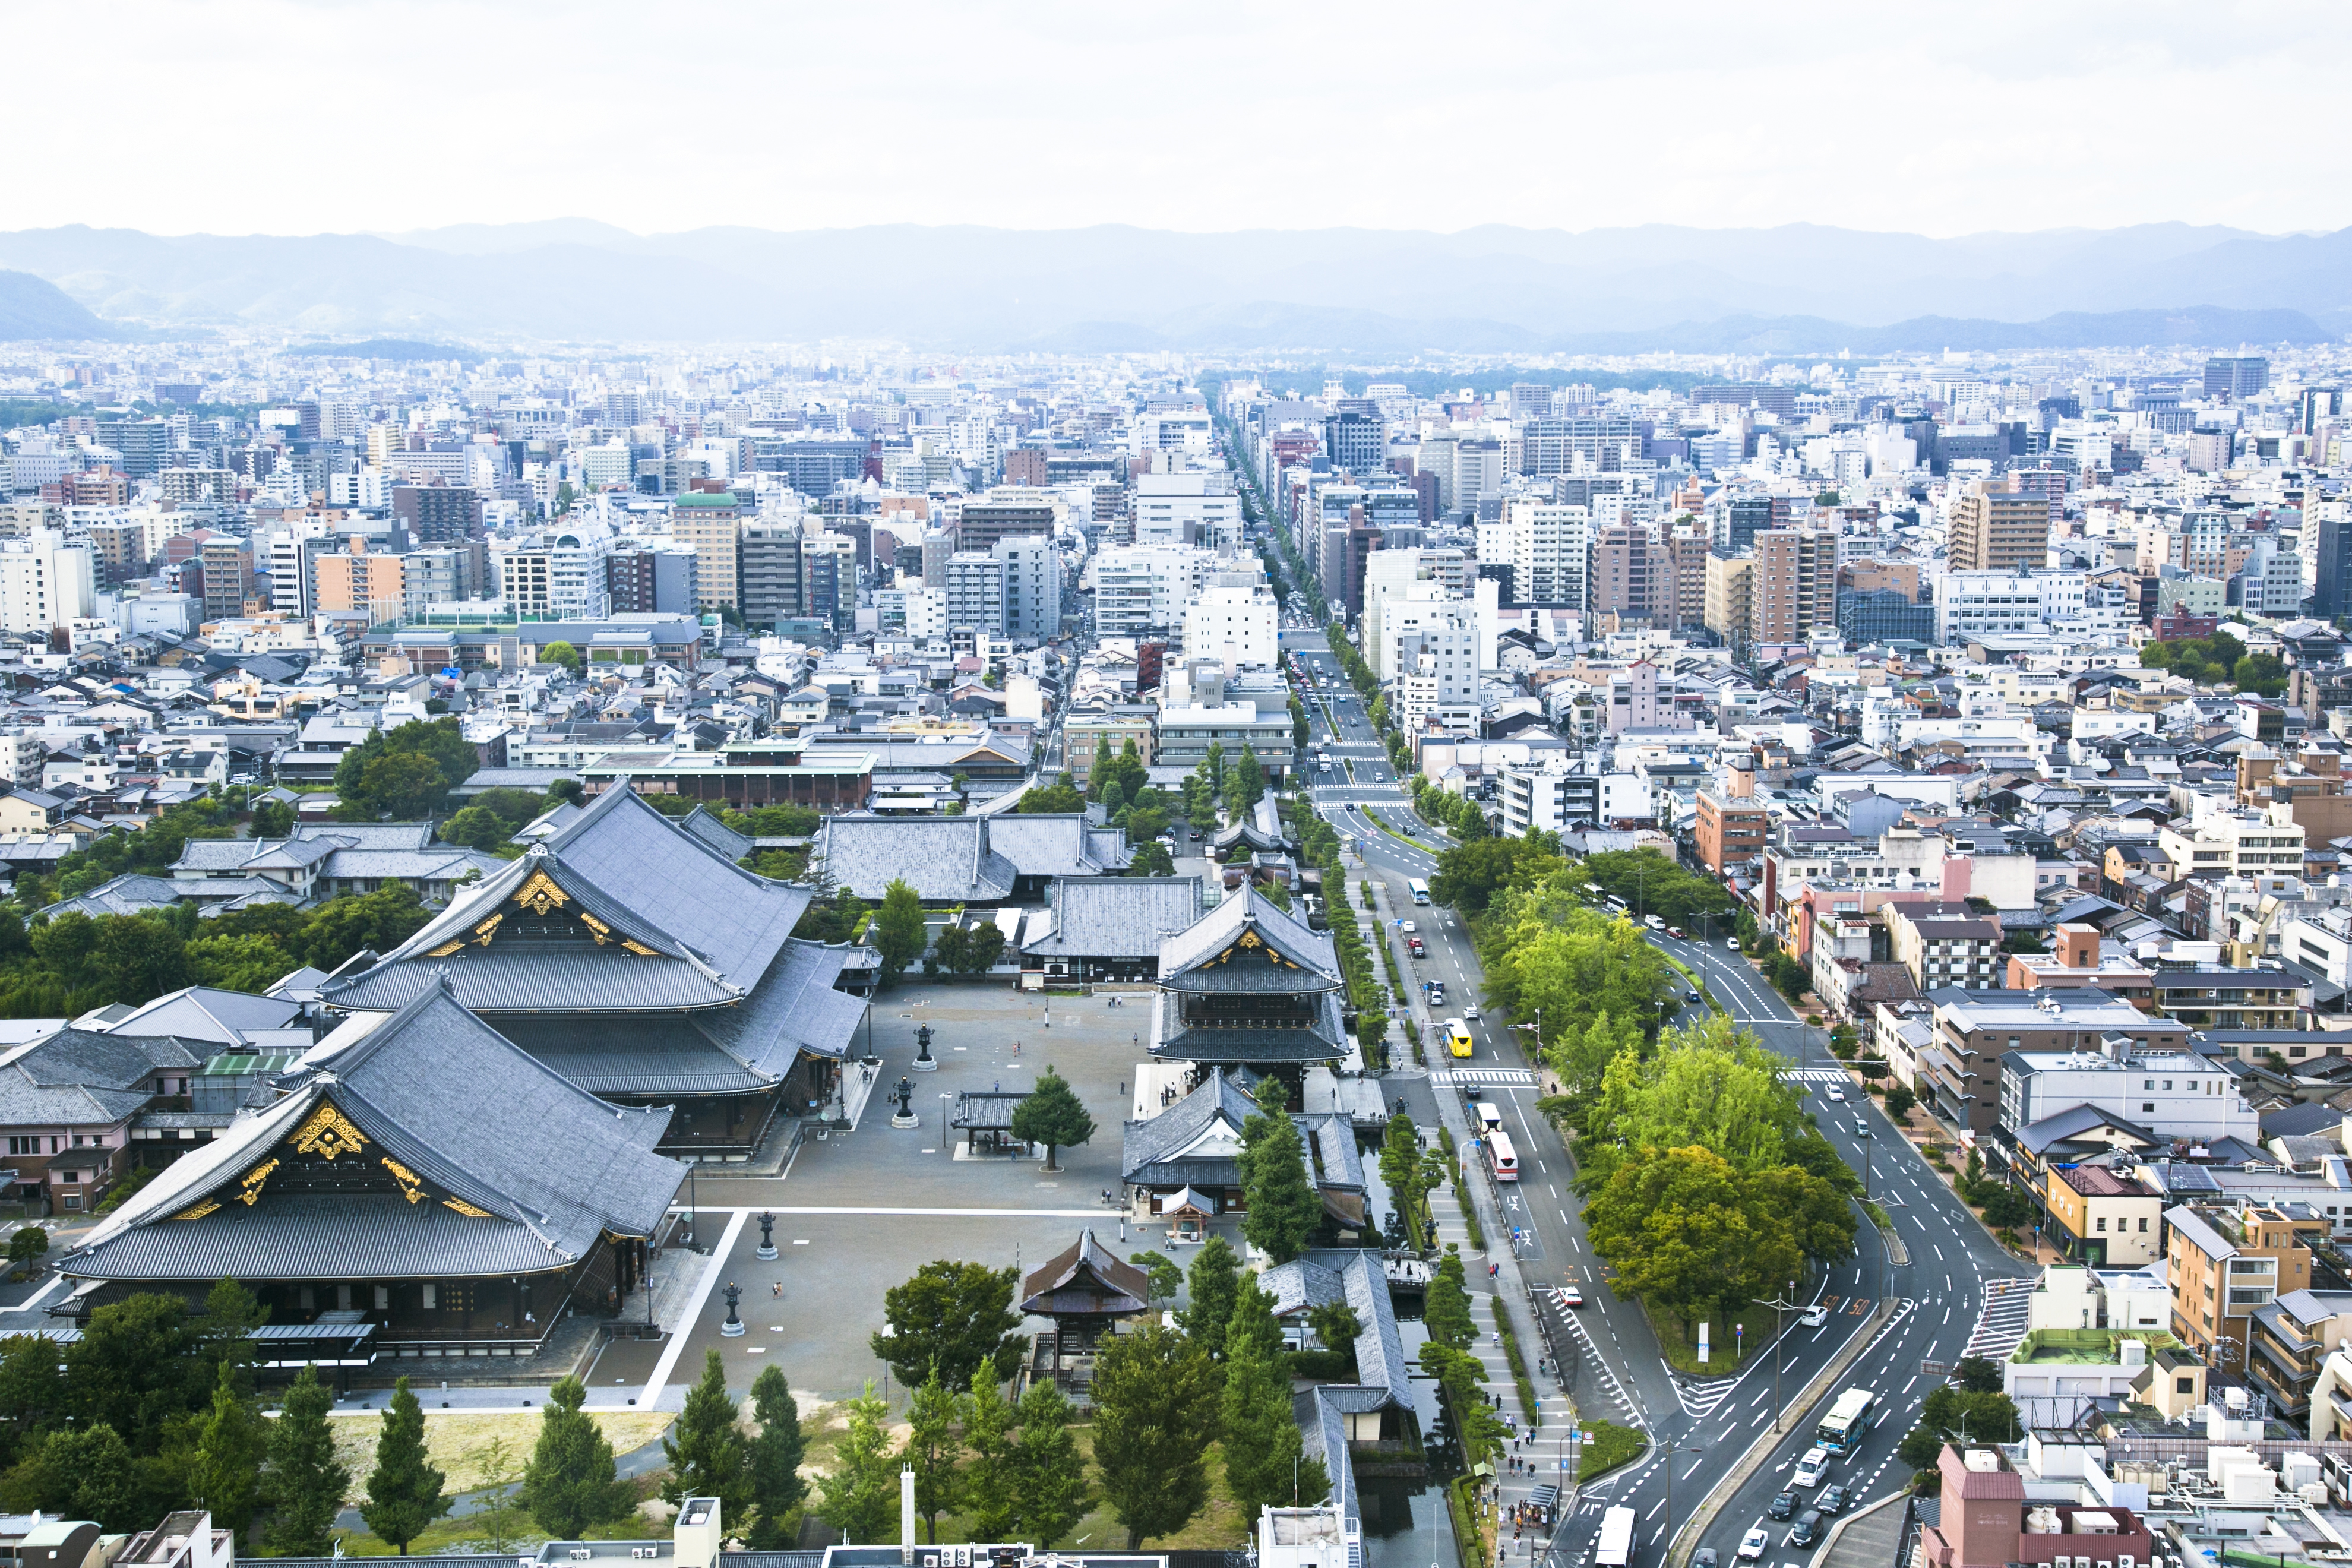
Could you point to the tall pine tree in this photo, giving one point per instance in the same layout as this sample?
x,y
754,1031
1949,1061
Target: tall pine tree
x,y
403,1491
861,1496
934,1449
1284,1209
571,1481
990,1506
1261,1440
1049,1481
1214,1279
709,1458
1156,1399
776,1453
228,1454
304,1478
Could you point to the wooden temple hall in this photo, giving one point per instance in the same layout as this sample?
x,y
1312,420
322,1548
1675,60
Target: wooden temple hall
x,y
424,1188
1084,1291
1250,986
626,954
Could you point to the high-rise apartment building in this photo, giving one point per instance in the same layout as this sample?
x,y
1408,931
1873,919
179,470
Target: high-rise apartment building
x,y
710,523
769,578
355,579
1999,531
227,563
651,581
1730,590
1550,553
829,567
1033,586
1634,578
1005,512
1356,442
975,591
1600,443
1795,589
438,514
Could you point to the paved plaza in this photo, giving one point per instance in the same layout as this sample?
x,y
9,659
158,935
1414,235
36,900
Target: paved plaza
x,y
857,1212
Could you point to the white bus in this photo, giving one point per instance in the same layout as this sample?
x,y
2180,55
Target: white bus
x,y
1616,1546
1418,888
1501,1157
1854,1414
1490,1116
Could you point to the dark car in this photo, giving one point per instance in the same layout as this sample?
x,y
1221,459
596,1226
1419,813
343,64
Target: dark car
x,y
1832,1500
1704,1558
1808,1530
1783,1505
1692,997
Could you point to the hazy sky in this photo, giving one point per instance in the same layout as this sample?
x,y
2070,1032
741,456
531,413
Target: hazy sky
x,y
280,116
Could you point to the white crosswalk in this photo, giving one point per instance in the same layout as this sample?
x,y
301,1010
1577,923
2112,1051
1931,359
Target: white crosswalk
x,y
1490,1078
1817,1075
2000,1326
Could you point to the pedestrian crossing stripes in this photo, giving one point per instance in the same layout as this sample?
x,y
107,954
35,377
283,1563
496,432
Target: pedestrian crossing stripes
x,y
2000,1326
1492,1077
1818,1075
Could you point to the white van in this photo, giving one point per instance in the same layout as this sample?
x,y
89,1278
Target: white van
x,y
1809,1467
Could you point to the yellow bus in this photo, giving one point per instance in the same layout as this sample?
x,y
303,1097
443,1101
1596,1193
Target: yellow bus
x,y
1457,1037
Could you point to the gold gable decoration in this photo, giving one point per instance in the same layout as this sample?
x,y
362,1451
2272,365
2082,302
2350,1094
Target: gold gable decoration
x,y
201,1209
483,933
410,1187
447,947
640,949
541,894
463,1207
330,1132
596,928
253,1182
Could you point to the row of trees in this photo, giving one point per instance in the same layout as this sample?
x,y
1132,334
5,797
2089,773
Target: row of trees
x,y
1458,814
1595,984
1318,842
1237,785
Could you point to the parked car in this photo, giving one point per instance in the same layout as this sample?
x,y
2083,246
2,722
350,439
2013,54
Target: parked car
x,y
1808,1530
1413,945
1832,1500
1752,1544
1784,1504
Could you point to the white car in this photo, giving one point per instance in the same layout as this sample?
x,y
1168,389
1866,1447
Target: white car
x,y
1813,1317
1837,1093
1752,1545
1733,943
1407,927
1810,1468
1470,1013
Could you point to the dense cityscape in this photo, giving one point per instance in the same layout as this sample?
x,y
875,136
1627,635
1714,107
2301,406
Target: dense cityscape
x,y
1727,930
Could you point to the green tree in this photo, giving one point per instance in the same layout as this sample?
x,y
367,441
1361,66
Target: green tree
x,y
1470,874
707,1458
955,1316
934,1450
237,963
1052,1114
1446,1313
501,1474
562,653
1335,1324
378,922
1059,798
477,828
32,1391
898,931
1284,1208
225,1333
1246,786
138,959
27,1244
1260,1437
776,1455
228,1455
1900,1102
405,785
1156,1396
1049,1478
1216,1284
988,1480
1152,860
306,1482
86,1472
1166,1280
273,819
571,1481
861,1495
1098,774
403,1492
132,1369
1401,1166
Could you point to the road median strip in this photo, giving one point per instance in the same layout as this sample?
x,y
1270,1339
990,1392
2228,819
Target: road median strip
x,y
1720,1495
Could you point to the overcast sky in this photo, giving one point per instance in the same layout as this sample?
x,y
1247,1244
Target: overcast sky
x,y
279,116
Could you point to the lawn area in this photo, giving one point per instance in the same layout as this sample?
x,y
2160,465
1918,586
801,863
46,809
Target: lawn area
x,y
1678,1337
454,1440
1218,1526
1612,1445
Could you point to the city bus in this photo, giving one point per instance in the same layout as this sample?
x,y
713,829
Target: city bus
x,y
1490,1117
1418,888
1854,1414
1501,1158
1615,1547
1457,1037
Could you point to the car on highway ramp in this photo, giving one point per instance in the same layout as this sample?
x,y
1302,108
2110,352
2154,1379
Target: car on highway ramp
x,y
1752,1545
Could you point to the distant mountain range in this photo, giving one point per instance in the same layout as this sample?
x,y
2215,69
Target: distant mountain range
x,y
1800,289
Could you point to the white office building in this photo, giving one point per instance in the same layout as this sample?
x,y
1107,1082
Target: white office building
x,y
44,583
1141,589
1199,507
1236,622
1549,548
1033,587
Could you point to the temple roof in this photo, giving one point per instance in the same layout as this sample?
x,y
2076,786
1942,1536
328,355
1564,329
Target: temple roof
x,y
465,1157
1087,1280
1248,943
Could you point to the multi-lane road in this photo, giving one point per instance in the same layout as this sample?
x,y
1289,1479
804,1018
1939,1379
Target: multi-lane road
x,y
1948,1280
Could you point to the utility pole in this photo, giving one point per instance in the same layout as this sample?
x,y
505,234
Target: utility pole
x,y
1778,1306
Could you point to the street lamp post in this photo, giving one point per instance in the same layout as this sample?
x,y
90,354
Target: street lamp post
x,y
1672,1449
1778,1306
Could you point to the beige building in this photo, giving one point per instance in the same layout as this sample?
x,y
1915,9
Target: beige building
x,y
1795,585
2259,845
2103,1217
1730,593
1994,531
710,523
